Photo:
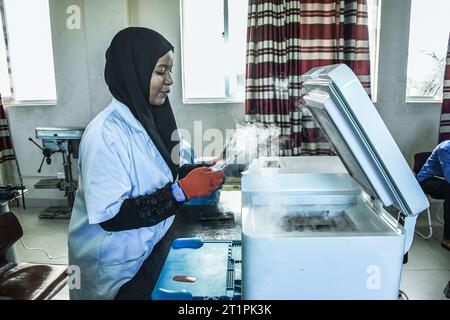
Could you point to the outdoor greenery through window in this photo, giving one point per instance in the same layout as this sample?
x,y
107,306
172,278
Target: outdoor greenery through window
x,y
428,39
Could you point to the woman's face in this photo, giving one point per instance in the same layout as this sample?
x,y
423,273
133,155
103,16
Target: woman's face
x,y
161,79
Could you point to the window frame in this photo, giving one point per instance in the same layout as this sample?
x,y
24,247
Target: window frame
x,y
423,99
418,99
374,76
11,100
228,99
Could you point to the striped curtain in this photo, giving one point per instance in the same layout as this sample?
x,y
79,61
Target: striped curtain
x,y
444,128
285,39
9,170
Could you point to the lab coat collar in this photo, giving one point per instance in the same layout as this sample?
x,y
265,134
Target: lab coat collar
x,y
126,114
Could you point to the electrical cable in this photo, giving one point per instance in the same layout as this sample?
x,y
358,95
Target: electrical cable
x,y
43,250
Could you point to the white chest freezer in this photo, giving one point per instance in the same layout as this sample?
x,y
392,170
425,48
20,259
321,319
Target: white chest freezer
x,y
316,227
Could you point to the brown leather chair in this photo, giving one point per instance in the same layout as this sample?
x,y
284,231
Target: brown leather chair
x,y
25,281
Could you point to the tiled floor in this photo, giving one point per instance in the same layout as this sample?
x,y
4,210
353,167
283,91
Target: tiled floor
x,y
50,235
428,269
425,275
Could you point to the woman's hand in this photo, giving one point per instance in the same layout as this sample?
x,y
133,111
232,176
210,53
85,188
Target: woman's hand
x,y
201,182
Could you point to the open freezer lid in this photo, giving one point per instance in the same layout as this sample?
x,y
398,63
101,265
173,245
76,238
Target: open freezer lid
x,y
348,117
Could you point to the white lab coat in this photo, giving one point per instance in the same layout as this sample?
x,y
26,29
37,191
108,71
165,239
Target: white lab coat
x,y
117,160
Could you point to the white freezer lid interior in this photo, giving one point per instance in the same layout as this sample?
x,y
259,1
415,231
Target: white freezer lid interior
x,y
348,117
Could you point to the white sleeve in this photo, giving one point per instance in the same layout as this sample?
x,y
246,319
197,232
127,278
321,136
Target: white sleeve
x,y
105,175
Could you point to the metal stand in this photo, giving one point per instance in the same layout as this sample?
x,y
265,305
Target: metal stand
x,y
56,213
66,141
69,187
430,227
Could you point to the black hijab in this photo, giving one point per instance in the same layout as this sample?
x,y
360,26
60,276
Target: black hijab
x,y
130,61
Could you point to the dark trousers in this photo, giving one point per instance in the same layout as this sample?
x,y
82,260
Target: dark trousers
x,y
142,284
439,189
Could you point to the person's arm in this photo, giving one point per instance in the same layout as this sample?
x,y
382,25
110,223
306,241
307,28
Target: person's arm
x,y
144,211
107,184
444,159
149,210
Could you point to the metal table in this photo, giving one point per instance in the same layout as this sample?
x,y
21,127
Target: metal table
x,y
188,222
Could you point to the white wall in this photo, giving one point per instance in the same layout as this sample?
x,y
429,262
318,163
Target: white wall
x,y
414,126
81,90
82,93
164,17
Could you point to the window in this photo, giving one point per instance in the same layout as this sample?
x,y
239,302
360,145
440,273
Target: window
x,y
214,36
428,39
30,53
5,87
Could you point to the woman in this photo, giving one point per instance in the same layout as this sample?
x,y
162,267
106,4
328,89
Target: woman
x,y
128,189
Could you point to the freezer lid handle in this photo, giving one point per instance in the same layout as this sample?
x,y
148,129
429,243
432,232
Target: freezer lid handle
x,y
410,225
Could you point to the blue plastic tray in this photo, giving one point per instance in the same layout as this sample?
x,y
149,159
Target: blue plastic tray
x,y
215,266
